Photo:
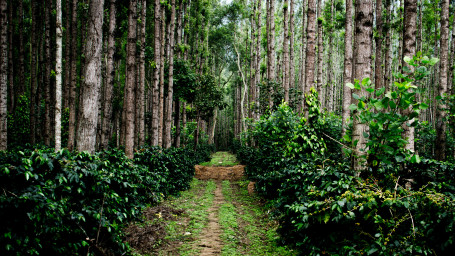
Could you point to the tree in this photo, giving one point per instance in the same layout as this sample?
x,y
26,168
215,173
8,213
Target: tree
x,y
378,77
110,72
3,75
409,50
58,75
72,93
140,93
170,93
362,69
320,52
286,51
310,50
441,115
88,113
156,76
347,74
129,101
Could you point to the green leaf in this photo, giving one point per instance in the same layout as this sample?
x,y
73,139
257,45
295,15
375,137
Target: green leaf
x,y
425,60
366,81
353,107
355,96
423,106
326,217
378,105
373,250
415,159
407,59
433,61
380,91
350,85
392,104
365,135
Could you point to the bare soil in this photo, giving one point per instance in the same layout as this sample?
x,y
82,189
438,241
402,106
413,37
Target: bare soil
x,y
210,241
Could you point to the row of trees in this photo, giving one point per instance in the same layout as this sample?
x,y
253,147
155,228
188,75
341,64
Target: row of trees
x,y
331,43
105,70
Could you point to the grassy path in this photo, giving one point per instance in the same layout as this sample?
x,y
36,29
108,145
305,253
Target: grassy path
x,y
215,218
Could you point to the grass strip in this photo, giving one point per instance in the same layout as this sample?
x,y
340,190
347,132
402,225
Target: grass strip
x,y
222,158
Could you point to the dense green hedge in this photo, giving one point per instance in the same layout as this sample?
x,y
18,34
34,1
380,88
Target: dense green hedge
x,y
69,203
325,208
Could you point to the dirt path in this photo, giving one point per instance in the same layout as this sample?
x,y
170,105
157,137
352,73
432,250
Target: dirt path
x,y
210,240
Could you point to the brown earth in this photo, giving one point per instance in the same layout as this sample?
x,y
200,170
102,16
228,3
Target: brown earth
x,y
232,173
210,240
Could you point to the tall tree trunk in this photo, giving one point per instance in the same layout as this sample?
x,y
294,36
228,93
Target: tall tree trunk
x,y
441,114
302,70
388,47
291,45
320,51
253,62
58,76
286,51
420,29
310,50
72,100
130,86
271,47
47,74
162,48
3,75
362,69
33,73
21,88
409,50
347,74
140,93
156,76
66,87
378,55
86,134
258,57
170,92
110,73
12,92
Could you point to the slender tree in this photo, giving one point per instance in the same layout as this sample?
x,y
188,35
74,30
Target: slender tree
x,y
72,93
291,45
33,72
362,69
409,50
156,76
87,123
110,73
286,64
58,76
441,115
162,52
129,101
320,52
21,87
378,76
3,75
310,50
140,93
170,91
47,73
347,73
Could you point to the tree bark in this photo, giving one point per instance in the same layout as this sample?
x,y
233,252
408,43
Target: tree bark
x,y
156,76
258,58
130,86
12,92
58,76
441,114
33,73
72,94
310,51
388,47
47,74
21,87
86,134
162,48
286,51
3,75
362,69
140,94
378,55
110,73
302,68
409,50
291,46
347,74
170,92
320,52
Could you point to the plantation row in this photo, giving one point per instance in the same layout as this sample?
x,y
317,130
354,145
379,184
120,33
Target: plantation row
x,y
402,205
70,203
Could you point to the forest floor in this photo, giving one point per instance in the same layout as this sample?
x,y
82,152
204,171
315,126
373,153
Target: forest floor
x,y
218,215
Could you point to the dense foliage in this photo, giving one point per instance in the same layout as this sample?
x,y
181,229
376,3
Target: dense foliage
x,y
69,203
325,207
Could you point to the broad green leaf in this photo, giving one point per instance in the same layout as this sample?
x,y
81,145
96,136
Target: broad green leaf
x,y
423,106
361,105
380,91
378,105
326,217
407,59
366,81
365,135
433,61
353,107
415,159
425,60
350,85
